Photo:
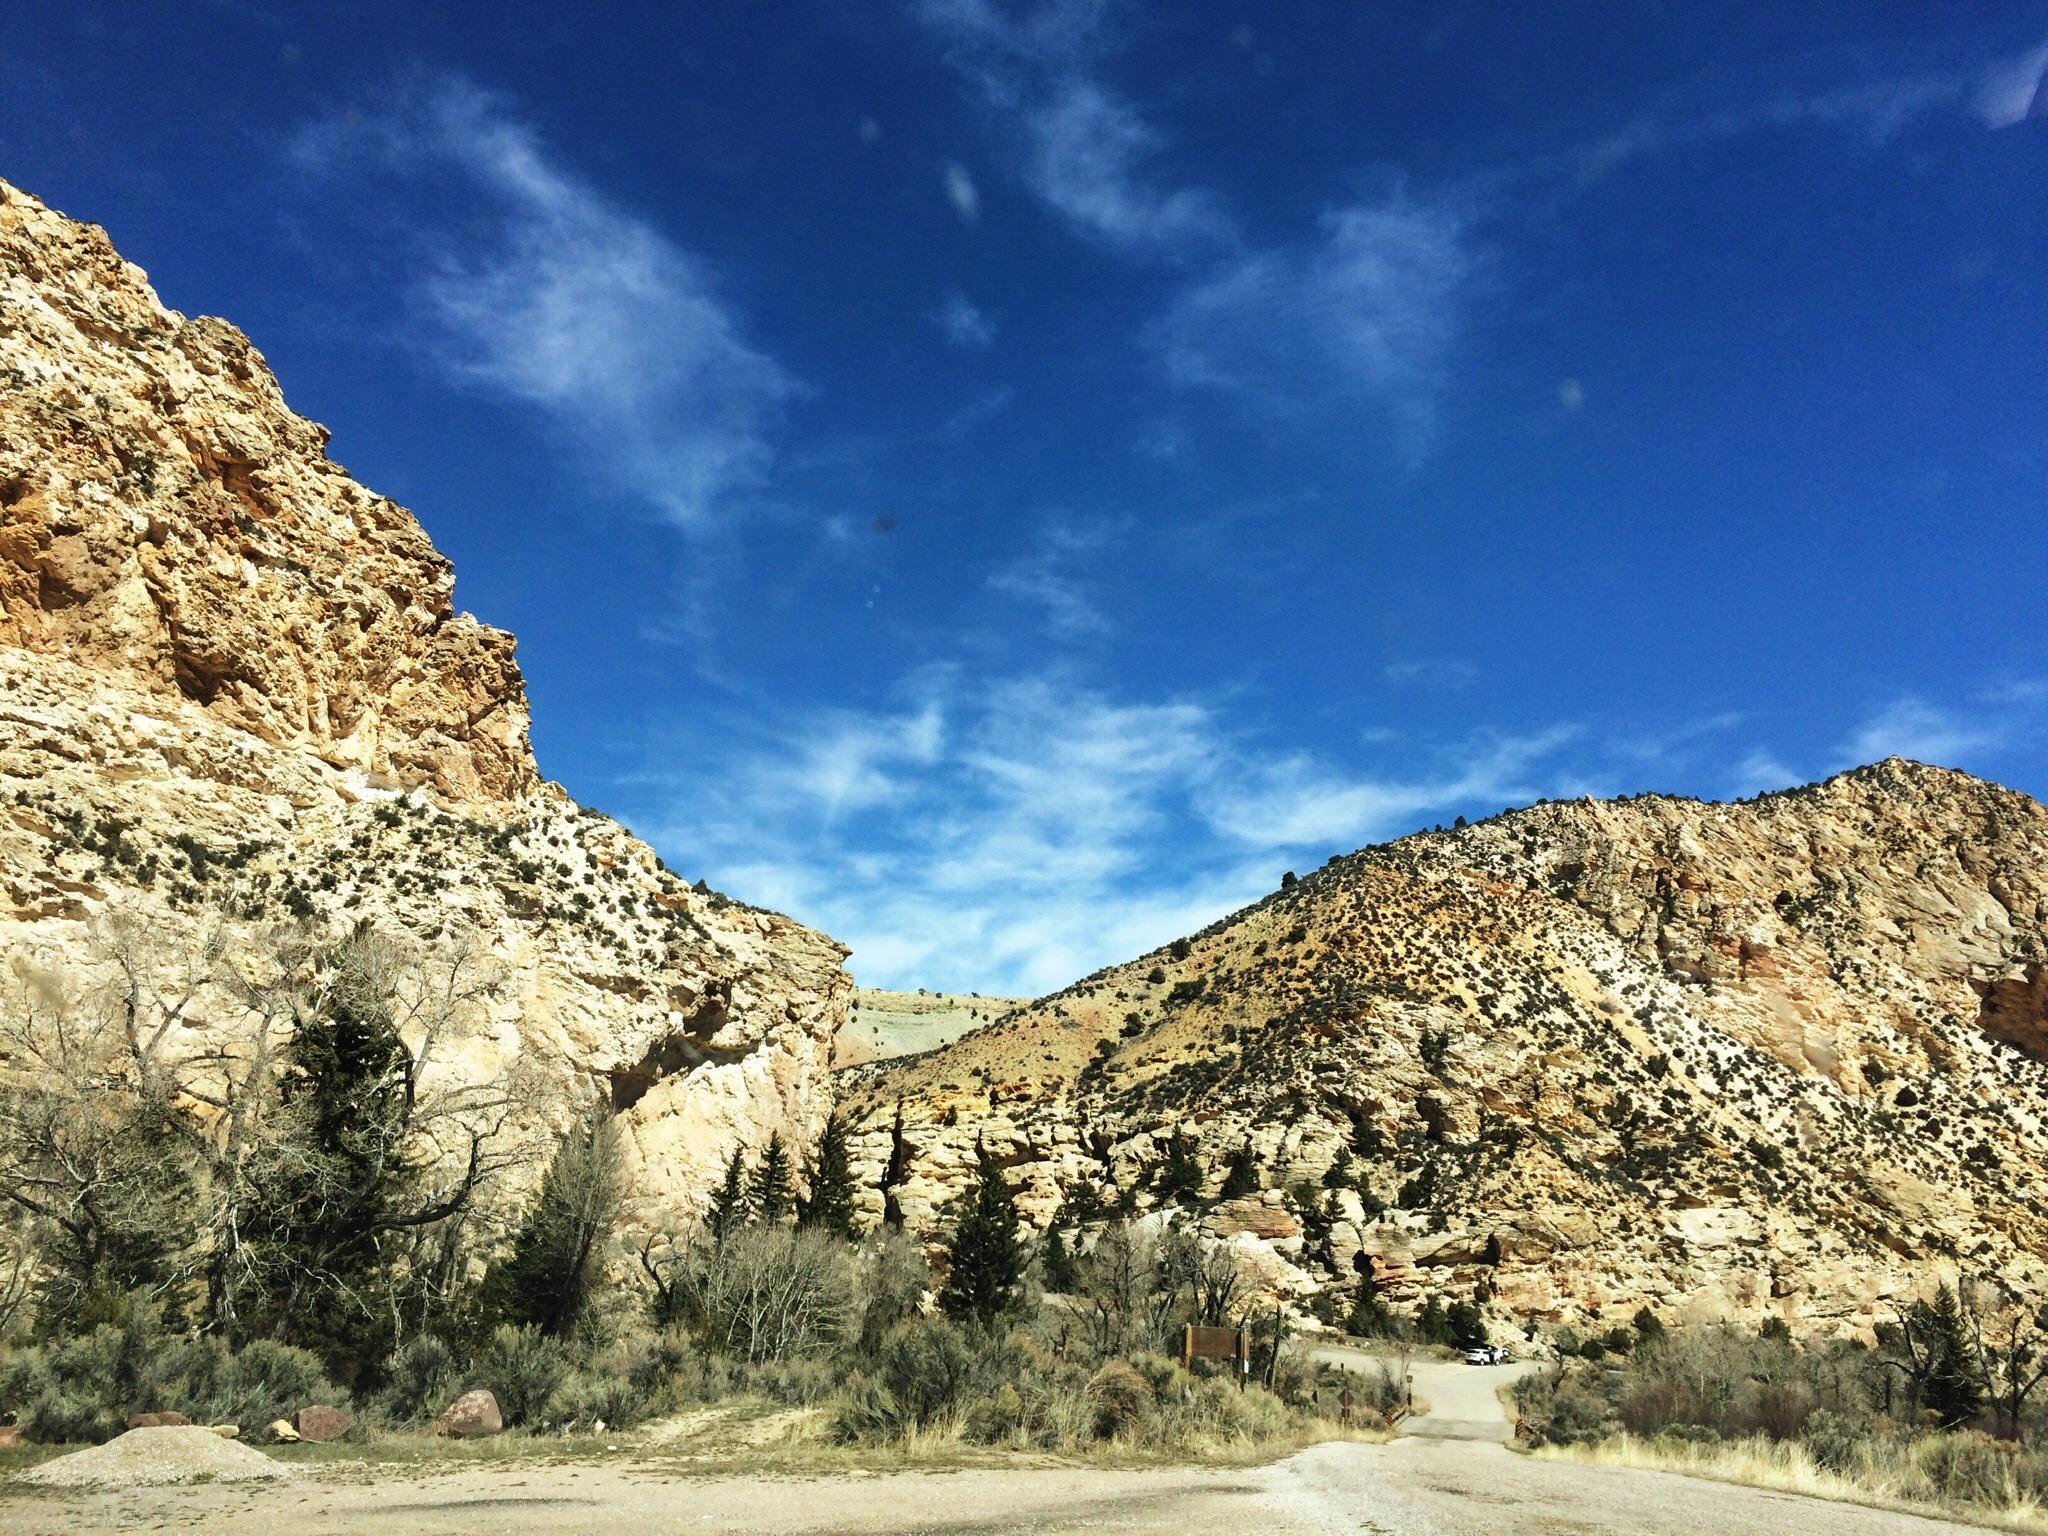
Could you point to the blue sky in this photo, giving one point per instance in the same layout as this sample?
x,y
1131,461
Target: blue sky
x,y
1004,483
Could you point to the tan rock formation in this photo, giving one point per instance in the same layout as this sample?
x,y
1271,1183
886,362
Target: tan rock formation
x,y
230,675
1782,1057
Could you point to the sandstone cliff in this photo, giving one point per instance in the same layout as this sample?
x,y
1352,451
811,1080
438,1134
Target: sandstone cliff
x,y
1785,1057
232,676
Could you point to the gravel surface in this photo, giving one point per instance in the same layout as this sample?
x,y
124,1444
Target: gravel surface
x,y
1412,1487
150,1458
1446,1480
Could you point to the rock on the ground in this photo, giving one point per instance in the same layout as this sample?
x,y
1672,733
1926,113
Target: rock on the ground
x,y
318,1422
470,1417
284,1431
145,1458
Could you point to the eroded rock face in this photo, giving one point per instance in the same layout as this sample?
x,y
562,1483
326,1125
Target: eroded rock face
x,y
1778,1058
228,671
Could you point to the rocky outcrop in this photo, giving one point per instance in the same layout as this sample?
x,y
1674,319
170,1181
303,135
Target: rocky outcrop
x,y
231,678
1774,1058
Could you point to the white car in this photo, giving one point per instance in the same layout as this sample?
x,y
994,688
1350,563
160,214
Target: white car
x,y
1485,1354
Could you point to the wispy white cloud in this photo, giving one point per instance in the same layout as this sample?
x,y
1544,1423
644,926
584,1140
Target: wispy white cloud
x,y
2015,90
1012,833
963,323
1929,733
1084,148
1299,803
1366,314
1372,308
1878,110
1088,159
1431,672
961,191
1047,579
1976,730
847,761
994,837
1760,771
1006,49
530,283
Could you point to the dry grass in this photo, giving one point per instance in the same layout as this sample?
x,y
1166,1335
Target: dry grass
x,y
1785,1467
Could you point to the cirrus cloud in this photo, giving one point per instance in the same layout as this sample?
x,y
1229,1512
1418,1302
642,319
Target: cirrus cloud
x,y
527,282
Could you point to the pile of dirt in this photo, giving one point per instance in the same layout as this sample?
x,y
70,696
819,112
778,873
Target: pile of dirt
x,y
145,1458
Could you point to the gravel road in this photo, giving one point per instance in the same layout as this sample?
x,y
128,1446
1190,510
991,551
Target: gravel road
x,y
1413,1487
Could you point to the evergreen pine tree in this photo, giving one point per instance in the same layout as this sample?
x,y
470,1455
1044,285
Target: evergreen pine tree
x,y
987,1261
1062,1273
731,1207
1180,1177
1082,1204
1338,1174
547,1279
313,1232
1240,1173
829,1205
1952,1387
772,1194
1368,1315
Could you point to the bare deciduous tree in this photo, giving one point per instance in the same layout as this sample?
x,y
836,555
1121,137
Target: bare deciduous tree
x,y
766,1292
2011,1334
161,1124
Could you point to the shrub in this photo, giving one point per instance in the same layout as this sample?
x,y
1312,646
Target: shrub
x,y
78,1388
1967,1467
1561,1407
867,1411
766,1292
801,1383
523,1368
588,1399
997,1416
1379,1389
256,1384
84,1387
1833,1439
1688,1434
1779,1409
423,1377
1121,1396
891,1276
928,1368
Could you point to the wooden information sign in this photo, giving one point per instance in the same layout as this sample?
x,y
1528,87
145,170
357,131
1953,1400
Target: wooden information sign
x,y
1200,1343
